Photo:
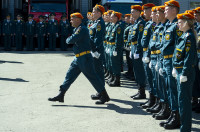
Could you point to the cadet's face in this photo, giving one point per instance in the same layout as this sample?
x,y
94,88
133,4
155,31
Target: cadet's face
x,y
18,18
41,19
147,13
153,16
52,17
197,17
113,18
64,19
95,13
74,21
160,16
169,11
30,19
181,24
133,12
8,18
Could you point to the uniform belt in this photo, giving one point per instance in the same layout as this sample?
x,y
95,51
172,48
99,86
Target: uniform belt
x,y
145,49
158,51
105,41
129,43
82,53
111,43
153,52
133,43
181,67
125,41
198,51
168,56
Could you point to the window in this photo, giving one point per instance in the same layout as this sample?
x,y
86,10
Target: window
x,y
194,5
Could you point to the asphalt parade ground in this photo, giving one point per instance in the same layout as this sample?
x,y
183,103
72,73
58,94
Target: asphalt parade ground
x,y
28,79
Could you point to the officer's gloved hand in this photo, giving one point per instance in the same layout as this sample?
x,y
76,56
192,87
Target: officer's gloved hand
x,y
130,55
96,55
161,71
150,65
136,56
156,67
174,73
114,53
183,78
199,64
108,50
145,59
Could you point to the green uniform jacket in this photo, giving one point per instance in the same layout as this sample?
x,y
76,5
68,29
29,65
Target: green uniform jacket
x,y
19,27
30,29
52,27
8,27
185,54
41,29
64,28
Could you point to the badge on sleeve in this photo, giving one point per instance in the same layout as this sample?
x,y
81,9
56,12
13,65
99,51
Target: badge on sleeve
x,y
178,55
99,27
118,30
91,32
145,32
134,32
154,37
188,45
167,37
141,27
179,33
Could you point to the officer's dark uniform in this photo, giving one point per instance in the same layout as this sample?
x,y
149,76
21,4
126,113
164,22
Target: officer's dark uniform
x,y
41,33
97,33
7,31
30,29
19,32
184,60
136,48
52,30
64,31
83,62
0,33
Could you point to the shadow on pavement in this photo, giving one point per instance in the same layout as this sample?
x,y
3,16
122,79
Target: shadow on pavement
x,y
15,80
114,107
2,61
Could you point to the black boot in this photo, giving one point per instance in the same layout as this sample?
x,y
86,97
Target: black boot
x,y
194,103
174,122
134,95
59,98
150,103
106,73
164,114
167,121
108,76
197,109
157,108
115,82
144,103
161,110
96,97
141,94
104,98
110,79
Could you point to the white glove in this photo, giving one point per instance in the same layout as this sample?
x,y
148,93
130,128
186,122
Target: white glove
x,y
156,67
183,78
108,50
114,53
199,65
96,54
150,65
130,55
145,59
174,73
92,54
161,71
136,56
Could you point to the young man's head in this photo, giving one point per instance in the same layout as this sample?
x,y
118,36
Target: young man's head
x,y
52,15
19,17
197,14
8,17
160,15
30,17
89,15
115,17
98,11
64,18
153,14
172,8
185,21
41,18
127,18
76,19
135,11
147,10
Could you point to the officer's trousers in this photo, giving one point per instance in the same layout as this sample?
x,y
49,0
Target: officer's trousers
x,y
139,72
7,42
129,62
171,84
29,42
63,45
153,76
18,41
184,99
196,86
85,65
52,42
40,40
116,64
98,66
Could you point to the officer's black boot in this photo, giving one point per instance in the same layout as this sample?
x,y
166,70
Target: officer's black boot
x,y
150,103
174,122
115,82
144,103
106,73
104,98
164,114
157,107
96,97
110,79
162,108
59,98
194,103
134,95
141,94
166,121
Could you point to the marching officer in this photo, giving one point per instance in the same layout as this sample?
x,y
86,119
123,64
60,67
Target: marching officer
x,y
7,31
184,60
52,31
83,62
30,30
64,31
136,53
19,32
170,35
196,87
145,42
116,41
41,33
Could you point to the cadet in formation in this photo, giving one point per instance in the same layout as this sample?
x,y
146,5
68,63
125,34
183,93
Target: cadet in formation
x,y
41,33
81,40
